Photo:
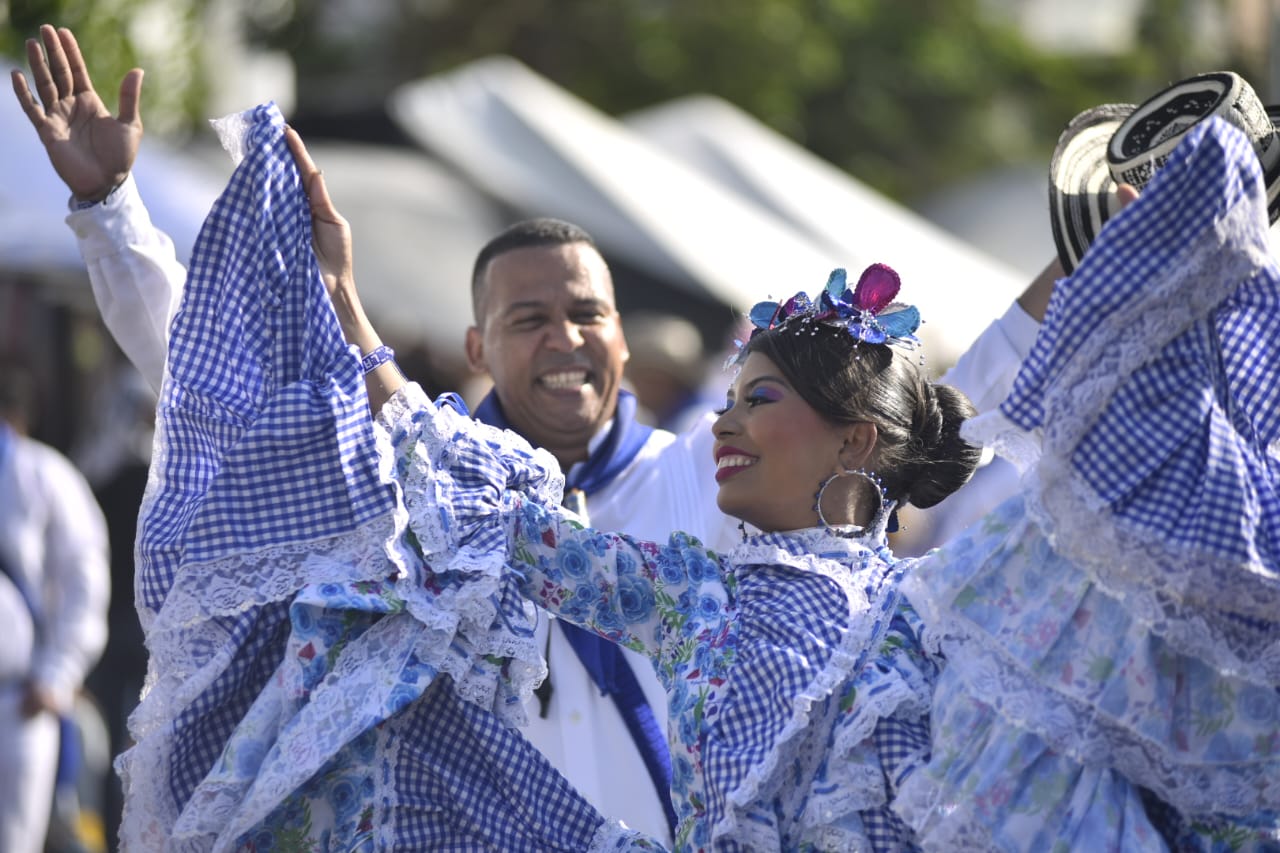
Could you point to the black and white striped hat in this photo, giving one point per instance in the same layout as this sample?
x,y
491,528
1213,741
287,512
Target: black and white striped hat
x,y
1120,143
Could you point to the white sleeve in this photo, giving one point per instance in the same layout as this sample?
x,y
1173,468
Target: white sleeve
x,y
986,371
135,274
77,582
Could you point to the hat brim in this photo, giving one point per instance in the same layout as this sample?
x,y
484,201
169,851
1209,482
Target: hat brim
x,y
1081,190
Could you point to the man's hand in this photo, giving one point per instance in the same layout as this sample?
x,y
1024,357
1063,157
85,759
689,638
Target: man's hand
x,y
1035,299
90,150
37,699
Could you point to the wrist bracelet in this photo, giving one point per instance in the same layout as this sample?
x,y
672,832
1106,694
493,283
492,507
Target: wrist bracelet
x,y
380,356
85,204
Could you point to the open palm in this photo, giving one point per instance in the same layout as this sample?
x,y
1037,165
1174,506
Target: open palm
x,y
91,150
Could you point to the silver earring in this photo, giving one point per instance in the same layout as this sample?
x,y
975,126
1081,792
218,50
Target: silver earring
x,y
869,476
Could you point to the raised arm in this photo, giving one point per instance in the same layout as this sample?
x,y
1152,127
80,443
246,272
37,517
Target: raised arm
x,y
133,269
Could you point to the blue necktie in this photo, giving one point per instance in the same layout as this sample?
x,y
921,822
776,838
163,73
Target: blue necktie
x,y
603,660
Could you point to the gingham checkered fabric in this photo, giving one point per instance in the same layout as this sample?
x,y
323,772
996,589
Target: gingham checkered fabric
x,y
748,724
1187,448
464,787
255,352
266,440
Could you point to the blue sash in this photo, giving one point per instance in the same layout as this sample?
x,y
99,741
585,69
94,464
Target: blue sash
x,y
603,660
69,734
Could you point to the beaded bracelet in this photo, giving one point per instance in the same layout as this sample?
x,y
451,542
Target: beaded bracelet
x,y
78,204
380,356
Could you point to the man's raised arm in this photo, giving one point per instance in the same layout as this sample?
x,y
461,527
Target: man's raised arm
x,y
133,269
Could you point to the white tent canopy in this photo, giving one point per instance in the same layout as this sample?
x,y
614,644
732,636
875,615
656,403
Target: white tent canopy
x,y
416,226
179,190
697,192
540,149
946,277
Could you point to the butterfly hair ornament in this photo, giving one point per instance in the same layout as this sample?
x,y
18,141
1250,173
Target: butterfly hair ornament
x,y
867,311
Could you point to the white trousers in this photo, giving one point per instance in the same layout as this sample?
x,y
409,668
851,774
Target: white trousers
x,y
28,765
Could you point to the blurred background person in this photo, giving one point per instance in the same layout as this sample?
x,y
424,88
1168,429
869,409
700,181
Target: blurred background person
x,y
54,588
667,369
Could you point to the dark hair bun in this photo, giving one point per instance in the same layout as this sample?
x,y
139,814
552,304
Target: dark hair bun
x,y
944,461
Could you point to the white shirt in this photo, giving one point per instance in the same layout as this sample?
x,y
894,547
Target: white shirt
x,y
53,535
669,486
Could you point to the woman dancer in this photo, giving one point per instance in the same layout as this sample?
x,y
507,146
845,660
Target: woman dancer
x,y
1111,631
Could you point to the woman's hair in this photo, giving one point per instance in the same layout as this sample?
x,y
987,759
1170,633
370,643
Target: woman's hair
x,y
920,456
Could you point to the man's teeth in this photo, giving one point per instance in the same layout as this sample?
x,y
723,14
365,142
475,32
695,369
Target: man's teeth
x,y
734,461
566,381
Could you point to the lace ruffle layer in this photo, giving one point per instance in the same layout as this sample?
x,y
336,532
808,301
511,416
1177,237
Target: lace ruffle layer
x,y
833,716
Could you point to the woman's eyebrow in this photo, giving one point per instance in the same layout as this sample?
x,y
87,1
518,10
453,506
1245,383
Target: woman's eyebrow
x,y
766,378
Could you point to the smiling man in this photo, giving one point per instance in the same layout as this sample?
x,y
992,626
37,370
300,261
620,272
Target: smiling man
x,y
548,333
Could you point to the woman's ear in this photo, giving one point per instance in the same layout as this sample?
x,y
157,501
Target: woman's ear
x,y
859,445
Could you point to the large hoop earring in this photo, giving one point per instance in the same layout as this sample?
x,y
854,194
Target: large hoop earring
x,y
869,476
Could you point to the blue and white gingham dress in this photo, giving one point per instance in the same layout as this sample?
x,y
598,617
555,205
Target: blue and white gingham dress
x,y
798,687
314,684
1113,632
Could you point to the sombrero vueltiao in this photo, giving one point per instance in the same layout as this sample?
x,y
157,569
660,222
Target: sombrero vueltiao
x,y
1120,143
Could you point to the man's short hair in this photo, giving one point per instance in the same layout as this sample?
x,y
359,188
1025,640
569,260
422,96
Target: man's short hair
x,y
526,234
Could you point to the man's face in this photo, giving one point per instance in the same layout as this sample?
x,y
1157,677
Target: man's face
x,y
550,338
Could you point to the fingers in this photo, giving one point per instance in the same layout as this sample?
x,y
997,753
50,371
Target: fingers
x,y
312,178
76,69
40,75
131,96
1127,194
59,67
25,99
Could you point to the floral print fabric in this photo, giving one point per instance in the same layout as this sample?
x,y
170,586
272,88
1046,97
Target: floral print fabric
x,y
1111,632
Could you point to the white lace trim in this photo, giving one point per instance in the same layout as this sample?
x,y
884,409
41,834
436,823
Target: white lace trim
x,y
231,130
1166,588
1171,590
1074,728
613,836
762,782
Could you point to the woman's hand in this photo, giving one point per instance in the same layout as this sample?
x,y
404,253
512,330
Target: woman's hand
x,y
331,239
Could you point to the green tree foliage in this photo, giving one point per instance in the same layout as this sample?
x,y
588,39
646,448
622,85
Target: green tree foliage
x,y
905,95
116,35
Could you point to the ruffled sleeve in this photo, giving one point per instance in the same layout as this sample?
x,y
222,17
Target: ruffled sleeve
x,y
482,500
1154,394
1111,632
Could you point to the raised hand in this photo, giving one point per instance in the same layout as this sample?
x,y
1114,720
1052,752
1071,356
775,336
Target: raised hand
x,y
90,150
331,239
330,232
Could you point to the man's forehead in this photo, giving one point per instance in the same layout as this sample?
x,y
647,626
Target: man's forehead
x,y
572,272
